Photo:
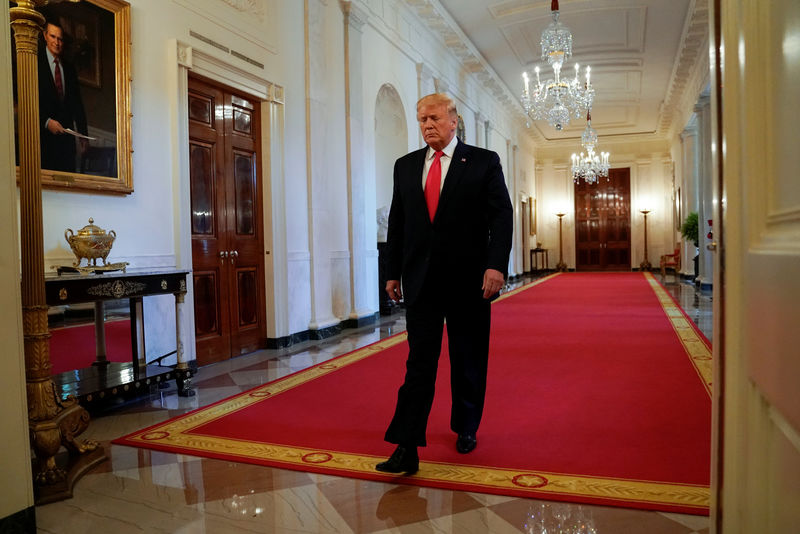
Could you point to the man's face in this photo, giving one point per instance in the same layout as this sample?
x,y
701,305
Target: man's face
x,y
437,125
54,39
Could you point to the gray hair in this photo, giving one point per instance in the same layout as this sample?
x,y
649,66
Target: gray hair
x,y
440,98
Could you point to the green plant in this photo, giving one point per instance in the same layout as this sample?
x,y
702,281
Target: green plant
x,y
690,228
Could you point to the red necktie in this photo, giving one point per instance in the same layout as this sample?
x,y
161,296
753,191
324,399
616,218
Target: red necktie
x,y
57,79
433,184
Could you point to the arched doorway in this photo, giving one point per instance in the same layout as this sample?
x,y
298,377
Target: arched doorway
x,y
391,142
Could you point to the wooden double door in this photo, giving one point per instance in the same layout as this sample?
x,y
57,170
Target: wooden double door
x,y
603,223
226,221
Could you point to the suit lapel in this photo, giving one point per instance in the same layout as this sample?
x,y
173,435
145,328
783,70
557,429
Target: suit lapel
x,y
416,170
454,175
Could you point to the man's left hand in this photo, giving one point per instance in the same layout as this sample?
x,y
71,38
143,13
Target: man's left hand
x,y
493,281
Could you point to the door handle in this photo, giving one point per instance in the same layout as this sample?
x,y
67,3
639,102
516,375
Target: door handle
x,y
712,246
223,254
234,254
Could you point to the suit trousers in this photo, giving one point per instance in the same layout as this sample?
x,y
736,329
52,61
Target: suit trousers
x,y
468,322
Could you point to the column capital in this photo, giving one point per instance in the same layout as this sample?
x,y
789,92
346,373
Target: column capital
x,y
424,72
354,15
688,132
703,103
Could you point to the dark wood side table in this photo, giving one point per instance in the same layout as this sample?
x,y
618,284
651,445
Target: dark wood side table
x,y
105,380
539,254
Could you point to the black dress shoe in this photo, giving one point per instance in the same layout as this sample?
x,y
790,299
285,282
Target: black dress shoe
x,y
403,460
466,443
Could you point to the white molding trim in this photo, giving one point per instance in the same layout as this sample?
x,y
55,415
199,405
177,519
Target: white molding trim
x,y
299,255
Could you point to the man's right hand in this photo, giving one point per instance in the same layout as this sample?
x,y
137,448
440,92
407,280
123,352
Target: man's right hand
x,y
54,127
393,290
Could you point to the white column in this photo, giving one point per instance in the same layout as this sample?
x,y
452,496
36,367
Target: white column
x,y
508,174
518,260
425,86
705,190
363,258
326,180
689,197
480,129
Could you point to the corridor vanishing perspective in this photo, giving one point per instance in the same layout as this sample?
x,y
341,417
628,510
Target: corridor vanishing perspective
x,y
141,490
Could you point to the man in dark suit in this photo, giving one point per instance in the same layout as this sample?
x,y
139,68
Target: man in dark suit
x,y
449,239
60,104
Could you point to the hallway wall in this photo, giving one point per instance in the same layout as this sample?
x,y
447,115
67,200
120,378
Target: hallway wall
x,y
322,266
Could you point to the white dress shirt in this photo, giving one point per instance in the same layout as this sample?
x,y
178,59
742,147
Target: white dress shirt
x,y
445,160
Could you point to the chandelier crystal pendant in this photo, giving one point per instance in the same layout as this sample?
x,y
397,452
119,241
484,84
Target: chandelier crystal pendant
x,y
557,99
590,166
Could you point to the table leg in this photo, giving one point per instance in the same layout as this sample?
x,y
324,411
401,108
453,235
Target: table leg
x,y
100,334
183,375
138,354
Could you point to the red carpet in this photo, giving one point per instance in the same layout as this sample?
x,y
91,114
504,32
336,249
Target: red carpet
x,y
73,347
598,393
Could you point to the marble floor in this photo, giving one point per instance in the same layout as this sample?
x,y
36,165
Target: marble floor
x,y
144,491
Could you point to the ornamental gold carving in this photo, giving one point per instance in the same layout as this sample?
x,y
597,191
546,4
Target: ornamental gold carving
x,y
116,289
252,7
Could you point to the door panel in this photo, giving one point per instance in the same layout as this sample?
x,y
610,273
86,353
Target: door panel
x,y
756,350
227,229
245,228
205,296
206,167
602,223
201,175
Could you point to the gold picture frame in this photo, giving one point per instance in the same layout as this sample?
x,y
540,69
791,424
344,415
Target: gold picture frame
x,y
97,37
532,224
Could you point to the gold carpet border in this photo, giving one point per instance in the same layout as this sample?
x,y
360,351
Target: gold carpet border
x,y
531,482
699,353
526,286
175,435
211,413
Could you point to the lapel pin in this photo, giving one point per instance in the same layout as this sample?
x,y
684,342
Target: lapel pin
x,y
463,159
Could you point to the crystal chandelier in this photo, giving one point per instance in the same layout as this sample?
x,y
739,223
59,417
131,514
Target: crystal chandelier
x,y
556,99
591,166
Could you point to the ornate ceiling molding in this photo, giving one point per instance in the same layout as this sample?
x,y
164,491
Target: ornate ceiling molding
x,y
690,69
439,22
249,7
689,72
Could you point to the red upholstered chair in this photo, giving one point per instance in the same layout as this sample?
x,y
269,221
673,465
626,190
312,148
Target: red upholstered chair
x,y
671,260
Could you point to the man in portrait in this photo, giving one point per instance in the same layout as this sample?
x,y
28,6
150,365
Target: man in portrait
x,y
60,104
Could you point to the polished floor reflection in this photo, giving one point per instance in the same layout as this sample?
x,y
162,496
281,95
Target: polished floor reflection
x,y
154,492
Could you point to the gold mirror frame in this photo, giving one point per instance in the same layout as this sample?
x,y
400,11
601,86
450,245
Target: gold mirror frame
x,y
123,182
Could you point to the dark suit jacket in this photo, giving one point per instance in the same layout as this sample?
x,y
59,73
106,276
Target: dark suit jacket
x,y
58,151
472,230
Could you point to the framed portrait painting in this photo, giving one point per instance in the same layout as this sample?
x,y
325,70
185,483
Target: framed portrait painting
x,y
84,96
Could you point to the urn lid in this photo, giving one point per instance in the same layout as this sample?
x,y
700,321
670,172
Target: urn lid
x,y
91,230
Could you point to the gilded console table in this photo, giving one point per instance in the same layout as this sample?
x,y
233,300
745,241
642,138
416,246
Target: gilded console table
x,y
106,380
